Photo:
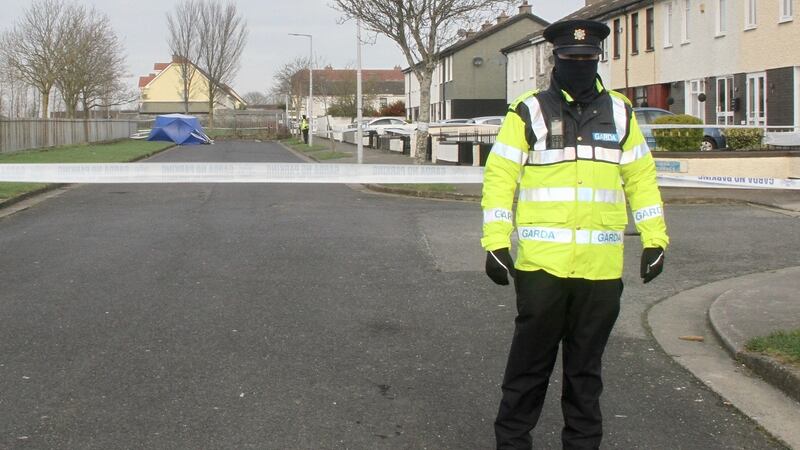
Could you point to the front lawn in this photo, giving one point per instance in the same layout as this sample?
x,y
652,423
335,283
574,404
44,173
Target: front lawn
x,y
114,152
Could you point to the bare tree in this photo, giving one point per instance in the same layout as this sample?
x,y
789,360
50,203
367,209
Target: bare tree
x,y
223,35
91,60
31,47
285,83
421,28
104,66
256,98
184,43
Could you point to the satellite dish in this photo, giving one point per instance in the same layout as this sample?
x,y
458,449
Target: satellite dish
x,y
477,61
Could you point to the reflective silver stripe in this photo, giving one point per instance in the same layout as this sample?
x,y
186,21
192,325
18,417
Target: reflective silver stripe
x,y
547,195
568,194
585,194
636,153
611,155
620,117
559,235
647,213
497,215
538,124
598,237
510,153
553,156
609,196
585,152
565,236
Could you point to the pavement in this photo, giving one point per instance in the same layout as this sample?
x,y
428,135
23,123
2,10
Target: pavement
x,y
722,317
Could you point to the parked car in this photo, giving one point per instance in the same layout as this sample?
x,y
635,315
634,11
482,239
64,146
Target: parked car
x,y
488,120
713,138
453,121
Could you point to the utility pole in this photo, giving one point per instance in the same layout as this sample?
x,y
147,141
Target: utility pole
x,y
359,101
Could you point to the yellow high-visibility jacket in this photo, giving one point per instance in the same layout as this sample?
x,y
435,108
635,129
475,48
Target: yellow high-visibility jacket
x,y
575,166
303,124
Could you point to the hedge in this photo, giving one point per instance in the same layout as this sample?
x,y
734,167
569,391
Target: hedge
x,y
744,138
678,139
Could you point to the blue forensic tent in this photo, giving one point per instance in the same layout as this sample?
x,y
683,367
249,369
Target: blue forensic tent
x,y
178,128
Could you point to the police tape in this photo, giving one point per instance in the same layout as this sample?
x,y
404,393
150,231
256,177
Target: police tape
x,y
114,173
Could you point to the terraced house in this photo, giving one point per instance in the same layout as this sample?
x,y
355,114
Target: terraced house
x,y
468,80
725,61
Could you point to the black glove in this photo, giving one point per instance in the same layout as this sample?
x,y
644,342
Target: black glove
x,y
652,263
499,265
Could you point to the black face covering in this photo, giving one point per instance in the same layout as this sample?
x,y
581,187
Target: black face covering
x,y
577,77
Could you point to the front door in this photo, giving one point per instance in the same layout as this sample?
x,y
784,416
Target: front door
x,y
724,100
757,98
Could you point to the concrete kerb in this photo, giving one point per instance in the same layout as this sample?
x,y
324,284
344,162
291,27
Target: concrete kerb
x,y
686,314
780,375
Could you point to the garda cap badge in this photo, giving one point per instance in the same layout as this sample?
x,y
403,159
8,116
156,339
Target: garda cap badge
x,y
580,34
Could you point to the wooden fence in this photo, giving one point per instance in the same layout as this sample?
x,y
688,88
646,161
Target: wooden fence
x,y
25,134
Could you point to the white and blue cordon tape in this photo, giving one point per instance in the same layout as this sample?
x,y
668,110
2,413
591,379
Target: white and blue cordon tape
x,y
311,173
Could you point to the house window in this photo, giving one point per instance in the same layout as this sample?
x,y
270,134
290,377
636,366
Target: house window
x,y
520,66
786,10
668,24
532,56
750,18
634,33
650,31
722,17
384,102
617,34
687,11
542,47
640,96
604,50
513,60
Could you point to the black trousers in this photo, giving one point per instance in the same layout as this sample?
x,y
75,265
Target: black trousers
x,y
578,313
305,136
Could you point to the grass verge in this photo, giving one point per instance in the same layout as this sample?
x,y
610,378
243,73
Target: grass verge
x,y
120,151
782,345
298,145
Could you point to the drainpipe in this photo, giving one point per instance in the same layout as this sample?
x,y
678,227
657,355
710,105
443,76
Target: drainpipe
x,y
627,55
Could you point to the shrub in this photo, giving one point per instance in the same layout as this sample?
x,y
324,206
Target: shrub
x,y
744,138
678,139
396,109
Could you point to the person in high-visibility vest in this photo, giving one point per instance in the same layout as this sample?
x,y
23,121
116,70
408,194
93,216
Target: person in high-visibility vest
x,y
304,128
575,153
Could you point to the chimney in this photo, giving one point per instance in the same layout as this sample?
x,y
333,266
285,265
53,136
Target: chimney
x,y
502,17
469,34
486,25
525,8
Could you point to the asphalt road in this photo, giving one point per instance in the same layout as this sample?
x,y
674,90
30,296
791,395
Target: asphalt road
x,y
316,316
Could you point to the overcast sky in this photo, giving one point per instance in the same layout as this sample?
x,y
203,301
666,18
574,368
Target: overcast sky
x,y
141,25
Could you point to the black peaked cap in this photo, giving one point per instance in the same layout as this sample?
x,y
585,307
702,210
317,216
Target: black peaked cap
x,y
577,37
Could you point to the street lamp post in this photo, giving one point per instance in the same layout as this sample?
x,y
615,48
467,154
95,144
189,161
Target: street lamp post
x,y
359,105
310,102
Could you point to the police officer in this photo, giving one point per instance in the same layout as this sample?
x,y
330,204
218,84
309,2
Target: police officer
x,y
576,154
304,129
